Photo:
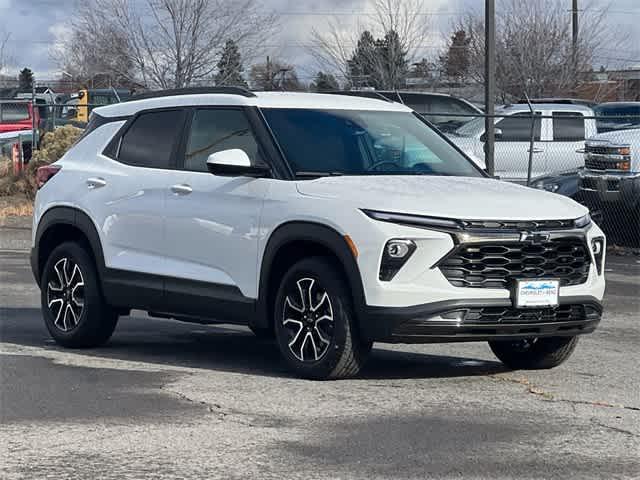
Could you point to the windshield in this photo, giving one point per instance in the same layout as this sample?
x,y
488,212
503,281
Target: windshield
x,y
629,117
348,142
471,128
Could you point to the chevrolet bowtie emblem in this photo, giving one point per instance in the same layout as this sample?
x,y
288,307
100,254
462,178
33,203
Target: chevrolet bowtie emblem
x,y
534,237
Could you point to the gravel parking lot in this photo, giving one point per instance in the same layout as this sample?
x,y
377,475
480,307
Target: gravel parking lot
x,y
174,400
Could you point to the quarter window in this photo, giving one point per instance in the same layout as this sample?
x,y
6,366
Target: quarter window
x,y
151,139
517,128
568,126
214,130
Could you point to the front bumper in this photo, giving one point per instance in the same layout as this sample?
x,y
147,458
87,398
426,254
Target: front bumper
x,y
425,323
610,188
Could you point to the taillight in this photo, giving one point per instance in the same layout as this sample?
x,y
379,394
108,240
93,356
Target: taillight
x,y
44,174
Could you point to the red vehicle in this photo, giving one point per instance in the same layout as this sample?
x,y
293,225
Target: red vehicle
x,y
17,115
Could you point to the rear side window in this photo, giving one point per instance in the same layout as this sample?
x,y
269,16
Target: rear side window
x,y
214,130
517,128
14,112
568,127
151,139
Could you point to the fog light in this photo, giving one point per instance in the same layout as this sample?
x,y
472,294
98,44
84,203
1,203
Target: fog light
x,y
597,247
399,248
395,255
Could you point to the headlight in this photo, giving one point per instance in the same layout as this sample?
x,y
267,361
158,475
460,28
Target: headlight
x,y
583,221
414,220
395,255
549,187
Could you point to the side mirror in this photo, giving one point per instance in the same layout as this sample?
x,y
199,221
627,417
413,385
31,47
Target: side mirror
x,y
235,163
497,133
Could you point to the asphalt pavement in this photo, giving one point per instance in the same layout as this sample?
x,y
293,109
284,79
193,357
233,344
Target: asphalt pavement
x,y
166,399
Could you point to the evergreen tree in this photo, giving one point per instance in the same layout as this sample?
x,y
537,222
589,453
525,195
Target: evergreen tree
x,y
393,63
230,66
361,67
324,82
25,79
455,62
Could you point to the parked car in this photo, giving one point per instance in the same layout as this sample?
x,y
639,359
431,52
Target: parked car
x,y
610,182
17,116
329,222
76,108
629,113
560,100
455,111
563,183
558,140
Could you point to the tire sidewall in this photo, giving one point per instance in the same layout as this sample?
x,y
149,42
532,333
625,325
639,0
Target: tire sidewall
x,y
330,281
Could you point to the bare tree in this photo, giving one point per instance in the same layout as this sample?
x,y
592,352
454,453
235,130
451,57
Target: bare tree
x,y
95,52
403,29
534,49
4,56
176,43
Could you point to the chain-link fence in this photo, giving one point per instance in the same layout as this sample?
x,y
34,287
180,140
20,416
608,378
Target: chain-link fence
x,y
565,149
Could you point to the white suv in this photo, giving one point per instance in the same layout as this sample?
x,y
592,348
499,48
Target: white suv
x,y
328,221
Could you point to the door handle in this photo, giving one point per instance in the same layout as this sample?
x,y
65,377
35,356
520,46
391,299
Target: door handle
x,y
95,182
181,189
536,150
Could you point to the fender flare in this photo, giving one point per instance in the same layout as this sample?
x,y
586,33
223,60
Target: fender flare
x,y
320,234
67,216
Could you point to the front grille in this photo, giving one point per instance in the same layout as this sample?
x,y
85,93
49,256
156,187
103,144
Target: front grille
x,y
519,225
498,265
563,313
613,185
589,183
600,150
595,163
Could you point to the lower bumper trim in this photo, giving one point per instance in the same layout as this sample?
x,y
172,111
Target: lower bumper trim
x,y
424,324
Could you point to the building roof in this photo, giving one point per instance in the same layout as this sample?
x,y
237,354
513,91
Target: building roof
x,y
259,99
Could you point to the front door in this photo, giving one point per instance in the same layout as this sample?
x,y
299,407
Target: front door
x,y
213,221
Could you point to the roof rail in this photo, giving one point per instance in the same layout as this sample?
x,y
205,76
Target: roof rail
x,y
193,91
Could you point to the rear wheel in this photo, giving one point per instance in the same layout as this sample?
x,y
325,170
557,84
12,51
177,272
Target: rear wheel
x,y
534,353
315,323
72,305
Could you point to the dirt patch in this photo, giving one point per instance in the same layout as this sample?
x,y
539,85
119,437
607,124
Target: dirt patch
x,y
15,206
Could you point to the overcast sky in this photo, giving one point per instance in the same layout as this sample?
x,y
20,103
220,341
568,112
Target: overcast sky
x,y
35,24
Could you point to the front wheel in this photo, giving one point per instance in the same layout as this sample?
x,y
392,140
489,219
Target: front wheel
x,y
534,353
315,323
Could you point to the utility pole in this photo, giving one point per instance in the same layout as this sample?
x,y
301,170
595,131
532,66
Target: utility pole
x,y
489,83
574,32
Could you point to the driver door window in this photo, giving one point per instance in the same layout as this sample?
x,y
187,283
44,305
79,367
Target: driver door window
x,y
214,130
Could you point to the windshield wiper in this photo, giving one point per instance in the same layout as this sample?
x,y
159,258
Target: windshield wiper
x,y
311,174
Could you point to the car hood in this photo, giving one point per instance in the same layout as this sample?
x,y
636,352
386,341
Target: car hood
x,y
451,197
626,136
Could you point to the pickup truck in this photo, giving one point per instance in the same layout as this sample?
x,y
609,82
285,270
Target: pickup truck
x,y
16,121
610,180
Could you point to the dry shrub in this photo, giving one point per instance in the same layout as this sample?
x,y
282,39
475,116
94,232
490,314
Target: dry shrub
x,y
21,210
54,145
6,168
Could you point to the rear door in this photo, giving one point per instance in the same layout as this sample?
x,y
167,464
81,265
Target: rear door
x,y
126,191
512,147
564,151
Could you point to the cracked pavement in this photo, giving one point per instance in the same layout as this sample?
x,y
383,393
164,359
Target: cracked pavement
x,y
166,399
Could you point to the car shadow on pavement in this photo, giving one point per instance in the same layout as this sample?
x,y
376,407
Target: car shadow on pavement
x,y
223,348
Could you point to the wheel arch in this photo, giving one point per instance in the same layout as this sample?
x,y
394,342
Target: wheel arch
x,y
60,224
293,241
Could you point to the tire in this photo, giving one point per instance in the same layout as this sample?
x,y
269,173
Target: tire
x,y
534,354
72,305
318,341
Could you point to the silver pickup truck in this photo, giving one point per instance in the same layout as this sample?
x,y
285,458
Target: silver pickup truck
x,y
610,181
